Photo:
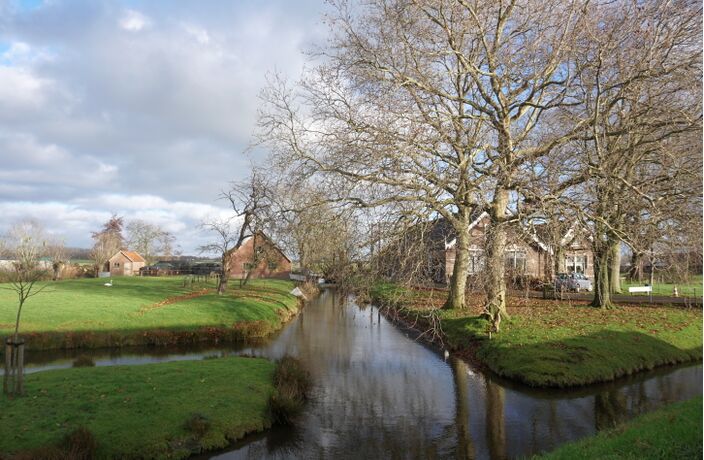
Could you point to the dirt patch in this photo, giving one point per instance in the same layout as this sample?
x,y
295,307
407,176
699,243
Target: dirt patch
x,y
172,300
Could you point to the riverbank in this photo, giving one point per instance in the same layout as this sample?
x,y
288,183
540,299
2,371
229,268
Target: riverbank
x,y
674,431
149,411
152,311
555,344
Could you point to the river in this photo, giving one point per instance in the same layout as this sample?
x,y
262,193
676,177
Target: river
x,y
378,393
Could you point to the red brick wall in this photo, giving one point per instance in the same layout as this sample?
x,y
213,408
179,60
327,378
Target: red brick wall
x,y
272,263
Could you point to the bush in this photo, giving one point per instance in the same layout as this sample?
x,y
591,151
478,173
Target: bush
x,y
198,425
292,382
79,444
84,361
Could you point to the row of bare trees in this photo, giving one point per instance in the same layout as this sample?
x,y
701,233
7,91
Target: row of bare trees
x,y
551,109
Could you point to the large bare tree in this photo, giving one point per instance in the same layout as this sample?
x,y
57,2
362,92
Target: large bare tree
x,y
639,84
435,104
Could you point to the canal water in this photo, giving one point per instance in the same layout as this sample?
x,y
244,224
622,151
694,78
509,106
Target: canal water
x,y
378,393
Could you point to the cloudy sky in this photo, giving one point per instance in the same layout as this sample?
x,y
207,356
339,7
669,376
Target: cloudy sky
x,y
140,108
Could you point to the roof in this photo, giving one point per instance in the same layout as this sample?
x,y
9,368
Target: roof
x,y
131,256
450,234
267,239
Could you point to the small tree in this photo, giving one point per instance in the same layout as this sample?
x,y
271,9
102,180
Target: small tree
x,y
228,236
27,243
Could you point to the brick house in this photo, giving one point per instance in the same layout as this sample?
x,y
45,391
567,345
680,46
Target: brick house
x,y
125,263
526,252
260,256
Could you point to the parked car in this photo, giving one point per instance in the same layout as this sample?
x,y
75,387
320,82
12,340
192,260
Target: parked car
x,y
572,282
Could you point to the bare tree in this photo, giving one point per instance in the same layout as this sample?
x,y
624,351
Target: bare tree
x,y
249,202
640,85
149,240
27,242
435,104
56,251
107,242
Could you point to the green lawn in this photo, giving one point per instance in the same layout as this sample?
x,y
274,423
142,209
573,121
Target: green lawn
x,y
691,289
141,411
84,312
674,432
560,344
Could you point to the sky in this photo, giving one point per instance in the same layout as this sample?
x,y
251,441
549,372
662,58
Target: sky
x,y
143,109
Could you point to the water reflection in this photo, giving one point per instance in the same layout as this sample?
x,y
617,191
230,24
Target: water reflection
x,y
380,394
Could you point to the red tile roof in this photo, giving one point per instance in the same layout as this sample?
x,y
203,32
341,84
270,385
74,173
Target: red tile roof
x,y
133,256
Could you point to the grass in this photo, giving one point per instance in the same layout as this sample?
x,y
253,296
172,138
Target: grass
x,y
693,288
150,411
672,432
559,344
145,310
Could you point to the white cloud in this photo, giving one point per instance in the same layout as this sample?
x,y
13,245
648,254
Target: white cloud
x,y
98,116
134,21
199,34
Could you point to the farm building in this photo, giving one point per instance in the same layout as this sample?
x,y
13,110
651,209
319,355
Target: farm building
x,y
259,257
125,263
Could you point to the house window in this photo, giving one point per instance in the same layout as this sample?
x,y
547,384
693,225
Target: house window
x,y
117,264
247,266
272,264
476,261
576,264
515,260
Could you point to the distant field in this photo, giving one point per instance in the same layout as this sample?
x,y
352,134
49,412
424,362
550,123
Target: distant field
x,y
135,304
691,289
82,261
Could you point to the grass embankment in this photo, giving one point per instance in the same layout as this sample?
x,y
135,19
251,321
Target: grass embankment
x,y
557,344
146,311
672,432
693,288
150,411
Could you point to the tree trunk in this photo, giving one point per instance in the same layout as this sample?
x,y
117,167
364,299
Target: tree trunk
x,y
458,281
495,308
635,272
57,270
615,261
602,277
558,260
225,275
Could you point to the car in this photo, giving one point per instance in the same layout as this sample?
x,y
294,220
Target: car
x,y
572,282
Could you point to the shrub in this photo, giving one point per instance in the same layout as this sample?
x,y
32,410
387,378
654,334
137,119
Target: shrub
x,y
197,424
292,382
80,444
83,361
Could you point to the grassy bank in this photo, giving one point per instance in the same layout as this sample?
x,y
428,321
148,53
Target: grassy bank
x,y
672,432
150,411
548,343
147,311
